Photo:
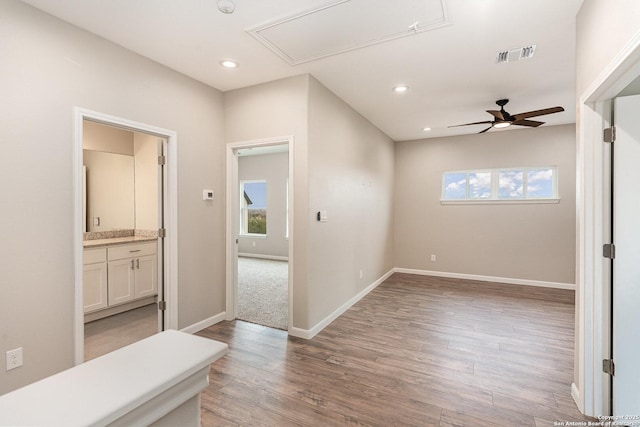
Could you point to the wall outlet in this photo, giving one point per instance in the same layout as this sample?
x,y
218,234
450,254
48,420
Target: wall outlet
x,y
433,258
14,358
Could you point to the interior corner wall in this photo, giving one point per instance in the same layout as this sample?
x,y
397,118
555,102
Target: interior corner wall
x,y
274,169
514,241
48,68
603,28
109,139
351,170
279,109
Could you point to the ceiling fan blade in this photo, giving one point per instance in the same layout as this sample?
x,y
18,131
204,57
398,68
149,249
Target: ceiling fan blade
x,y
530,123
483,131
538,113
497,114
486,122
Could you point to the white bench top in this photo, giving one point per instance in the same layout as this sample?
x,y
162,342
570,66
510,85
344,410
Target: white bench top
x,y
106,388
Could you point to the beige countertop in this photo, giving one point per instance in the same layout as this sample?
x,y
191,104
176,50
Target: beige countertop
x,y
117,240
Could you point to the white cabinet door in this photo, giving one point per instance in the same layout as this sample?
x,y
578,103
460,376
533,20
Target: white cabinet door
x,y
94,282
121,281
146,276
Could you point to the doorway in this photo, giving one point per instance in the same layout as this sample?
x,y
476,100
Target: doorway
x,y
122,217
259,230
594,310
625,234
125,240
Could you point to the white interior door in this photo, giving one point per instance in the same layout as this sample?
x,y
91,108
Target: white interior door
x,y
626,266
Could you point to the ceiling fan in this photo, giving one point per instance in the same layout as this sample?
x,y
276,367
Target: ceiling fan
x,y
502,119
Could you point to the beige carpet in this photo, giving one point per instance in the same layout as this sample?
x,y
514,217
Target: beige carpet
x,y
263,292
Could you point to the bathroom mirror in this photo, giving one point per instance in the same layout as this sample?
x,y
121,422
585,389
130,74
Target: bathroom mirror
x,y
109,191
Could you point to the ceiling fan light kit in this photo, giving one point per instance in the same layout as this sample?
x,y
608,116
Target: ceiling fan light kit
x,y
502,119
501,125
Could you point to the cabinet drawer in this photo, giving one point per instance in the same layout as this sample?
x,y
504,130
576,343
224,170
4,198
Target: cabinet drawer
x,y
131,250
92,256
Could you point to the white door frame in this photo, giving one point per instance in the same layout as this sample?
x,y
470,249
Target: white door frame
x,y
170,263
592,280
233,213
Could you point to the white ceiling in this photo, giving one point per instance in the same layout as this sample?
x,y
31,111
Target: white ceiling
x,y
451,71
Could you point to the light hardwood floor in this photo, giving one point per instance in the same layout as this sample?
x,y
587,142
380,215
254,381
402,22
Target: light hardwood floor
x,y
108,334
416,351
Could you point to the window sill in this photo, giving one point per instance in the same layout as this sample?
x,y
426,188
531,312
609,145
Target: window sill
x,y
500,202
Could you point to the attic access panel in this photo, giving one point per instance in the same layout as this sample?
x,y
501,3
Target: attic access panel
x,y
348,25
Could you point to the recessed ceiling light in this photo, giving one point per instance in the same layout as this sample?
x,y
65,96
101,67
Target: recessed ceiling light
x,y
426,129
227,63
401,88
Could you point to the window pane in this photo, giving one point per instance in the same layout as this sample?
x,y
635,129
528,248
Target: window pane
x,y
540,183
480,185
455,186
511,185
256,199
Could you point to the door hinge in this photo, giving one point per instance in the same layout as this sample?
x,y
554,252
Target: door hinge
x,y
162,305
609,250
608,367
162,233
162,160
610,134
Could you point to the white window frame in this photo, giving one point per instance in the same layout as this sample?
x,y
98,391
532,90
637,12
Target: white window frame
x,y
244,212
495,187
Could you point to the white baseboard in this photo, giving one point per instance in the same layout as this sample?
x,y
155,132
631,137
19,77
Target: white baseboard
x,y
271,257
575,393
196,327
507,280
310,333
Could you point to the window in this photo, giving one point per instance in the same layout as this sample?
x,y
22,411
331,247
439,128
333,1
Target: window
x,y
531,184
253,207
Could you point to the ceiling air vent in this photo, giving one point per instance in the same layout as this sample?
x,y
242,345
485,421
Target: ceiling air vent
x,y
516,54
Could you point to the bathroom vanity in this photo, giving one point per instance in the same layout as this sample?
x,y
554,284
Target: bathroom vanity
x,y
120,274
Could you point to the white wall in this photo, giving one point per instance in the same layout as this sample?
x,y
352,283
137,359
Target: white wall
x,y
534,242
48,68
604,29
351,172
274,169
348,171
109,139
278,109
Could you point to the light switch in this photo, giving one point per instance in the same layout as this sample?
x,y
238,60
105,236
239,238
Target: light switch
x,y
207,194
322,216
